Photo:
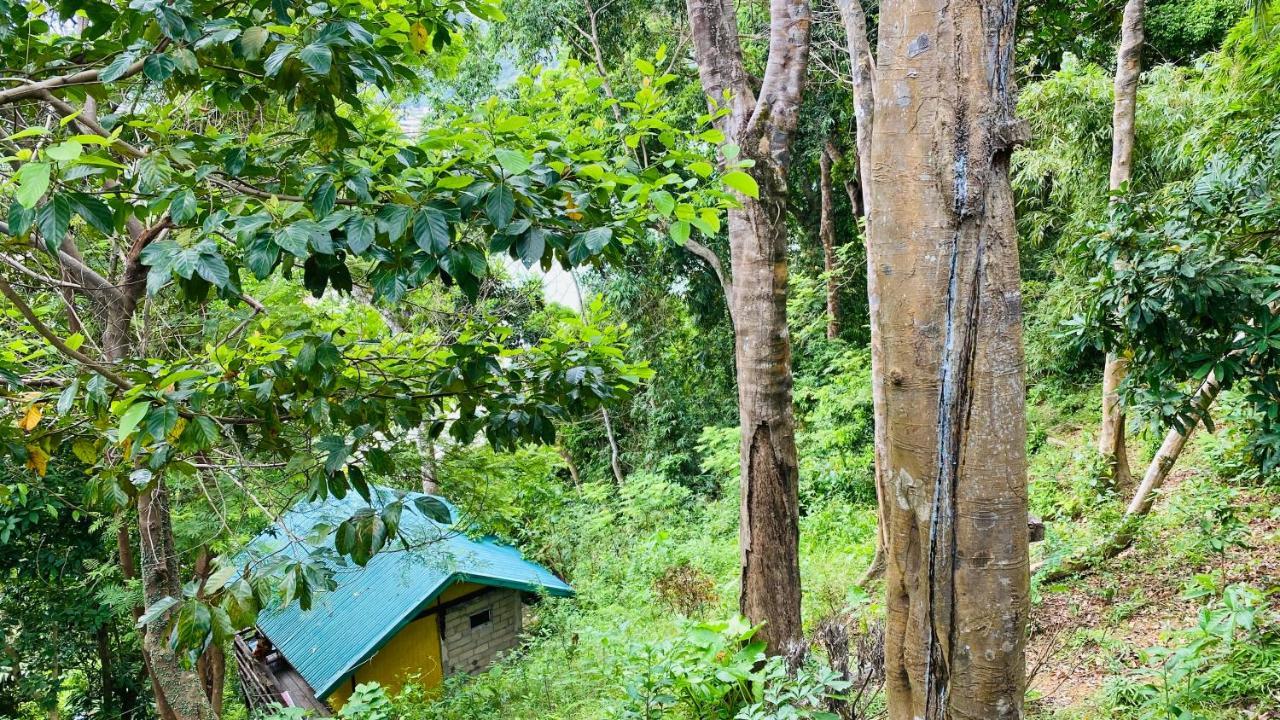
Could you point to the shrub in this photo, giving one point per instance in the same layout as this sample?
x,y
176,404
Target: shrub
x,y
1230,660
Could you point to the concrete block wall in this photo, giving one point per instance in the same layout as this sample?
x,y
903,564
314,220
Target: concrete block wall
x,y
468,649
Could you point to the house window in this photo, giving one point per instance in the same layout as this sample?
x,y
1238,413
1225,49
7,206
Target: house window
x,y
479,619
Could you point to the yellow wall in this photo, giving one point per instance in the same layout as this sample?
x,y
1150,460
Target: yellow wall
x,y
415,650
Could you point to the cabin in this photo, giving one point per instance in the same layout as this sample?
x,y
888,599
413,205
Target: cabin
x,y
447,604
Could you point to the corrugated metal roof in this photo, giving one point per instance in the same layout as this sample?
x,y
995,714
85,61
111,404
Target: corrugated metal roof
x,y
348,625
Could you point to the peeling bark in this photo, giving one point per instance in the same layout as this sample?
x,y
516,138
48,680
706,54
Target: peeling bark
x,y
1111,440
763,126
943,259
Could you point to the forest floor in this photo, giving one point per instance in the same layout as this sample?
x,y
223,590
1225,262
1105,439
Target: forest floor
x,y
1091,630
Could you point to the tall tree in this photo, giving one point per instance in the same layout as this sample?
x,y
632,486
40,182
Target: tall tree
x,y
944,256
761,125
1111,441
854,18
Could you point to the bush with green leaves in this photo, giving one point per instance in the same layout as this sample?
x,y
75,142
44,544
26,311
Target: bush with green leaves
x,y
369,701
715,671
1227,664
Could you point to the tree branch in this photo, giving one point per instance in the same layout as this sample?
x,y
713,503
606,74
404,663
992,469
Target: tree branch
x,y
778,106
714,26
84,77
57,342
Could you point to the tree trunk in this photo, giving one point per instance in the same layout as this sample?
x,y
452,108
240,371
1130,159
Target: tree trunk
x,y
854,19
1143,498
761,124
1111,440
430,482
129,570
944,257
181,688
111,706
827,232
769,530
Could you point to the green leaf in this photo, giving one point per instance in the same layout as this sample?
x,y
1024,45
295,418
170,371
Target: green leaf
x,y
251,42
158,68
116,68
277,58
131,417
532,245
597,238
21,220
65,151
185,61
393,220
156,611
701,167
499,206
338,452
68,396
434,508
454,182
742,182
53,219
324,198
33,181
95,212
154,172
680,232
360,232
293,239
200,434
182,207
214,269
663,202
261,257
513,162
431,230
319,58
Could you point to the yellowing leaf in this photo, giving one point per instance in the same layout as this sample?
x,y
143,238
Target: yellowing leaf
x,y
37,459
86,451
178,427
418,37
30,419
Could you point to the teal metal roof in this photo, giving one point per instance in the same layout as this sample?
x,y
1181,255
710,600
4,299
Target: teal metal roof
x,y
347,625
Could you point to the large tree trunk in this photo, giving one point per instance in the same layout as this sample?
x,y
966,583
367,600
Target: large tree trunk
x,y
179,692
770,520
854,18
129,569
181,688
1111,440
944,255
827,233
762,124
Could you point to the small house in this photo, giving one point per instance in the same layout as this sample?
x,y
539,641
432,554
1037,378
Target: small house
x,y
446,604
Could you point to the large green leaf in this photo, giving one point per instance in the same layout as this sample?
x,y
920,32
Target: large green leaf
x,y
131,417
499,206
317,58
742,182
53,219
95,212
33,181
431,230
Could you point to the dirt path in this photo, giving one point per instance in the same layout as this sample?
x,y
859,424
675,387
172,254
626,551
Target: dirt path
x,y
1096,628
